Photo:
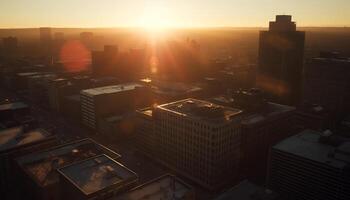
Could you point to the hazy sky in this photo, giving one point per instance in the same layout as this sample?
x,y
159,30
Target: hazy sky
x,y
178,13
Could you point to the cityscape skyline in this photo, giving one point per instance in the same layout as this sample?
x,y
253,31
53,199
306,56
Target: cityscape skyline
x,y
170,14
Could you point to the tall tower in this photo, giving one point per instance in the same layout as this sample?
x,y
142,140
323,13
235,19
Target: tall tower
x,y
281,54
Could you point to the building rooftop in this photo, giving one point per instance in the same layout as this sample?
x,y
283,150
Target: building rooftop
x,y
307,144
173,88
146,111
13,106
202,110
271,110
248,191
41,166
166,187
15,137
110,89
98,173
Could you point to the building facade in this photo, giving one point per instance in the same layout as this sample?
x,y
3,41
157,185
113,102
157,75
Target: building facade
x,y
199,140
310,166
280,67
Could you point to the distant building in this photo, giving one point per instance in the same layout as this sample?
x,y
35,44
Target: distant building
x,y
249,191
198,140
45,35
311,165
97,103
55,93
167,187
104,63
327,83
99,177
10,47
280,66
40,180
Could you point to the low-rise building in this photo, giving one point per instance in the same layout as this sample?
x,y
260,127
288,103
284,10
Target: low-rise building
x,y
167,187
99,177
14,142
37,172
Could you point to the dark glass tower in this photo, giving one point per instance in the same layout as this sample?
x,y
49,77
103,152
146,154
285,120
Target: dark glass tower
x,y
281,54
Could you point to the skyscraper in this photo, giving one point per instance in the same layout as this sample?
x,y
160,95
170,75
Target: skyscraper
x,y
281,53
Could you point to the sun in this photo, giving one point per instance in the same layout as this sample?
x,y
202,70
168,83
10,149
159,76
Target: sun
x,y
155,18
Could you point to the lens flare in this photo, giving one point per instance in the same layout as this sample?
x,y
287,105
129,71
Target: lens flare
x,y
75,56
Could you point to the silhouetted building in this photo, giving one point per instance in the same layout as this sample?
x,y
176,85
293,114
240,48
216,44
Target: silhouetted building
x,y
117,126
314,117
97,103
248,191
99,177
87,39
199,140
45,35
145,136
311,165
37,175
281,53
104,63
263,125
327,83
167,187
10,47
10,110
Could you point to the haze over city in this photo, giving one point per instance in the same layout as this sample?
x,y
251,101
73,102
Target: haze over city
x,y
175,100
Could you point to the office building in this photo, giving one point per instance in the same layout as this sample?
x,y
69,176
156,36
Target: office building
x,y
249,191
115,99
37,171
314,117
312,166
199,140
104,63
118,126
167,187
327,83
145,136
280,65
55,93
99,177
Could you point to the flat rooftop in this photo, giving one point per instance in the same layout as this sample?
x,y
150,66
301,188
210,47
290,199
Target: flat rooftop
x,y
146,111
271,110
166,187
203,110
98,173
15,137
13,106
306,145
41,166
110,89
248,191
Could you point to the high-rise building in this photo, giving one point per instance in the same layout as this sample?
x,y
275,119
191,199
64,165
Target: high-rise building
x,y
115,99
198,140
280,67
327,83
311,166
